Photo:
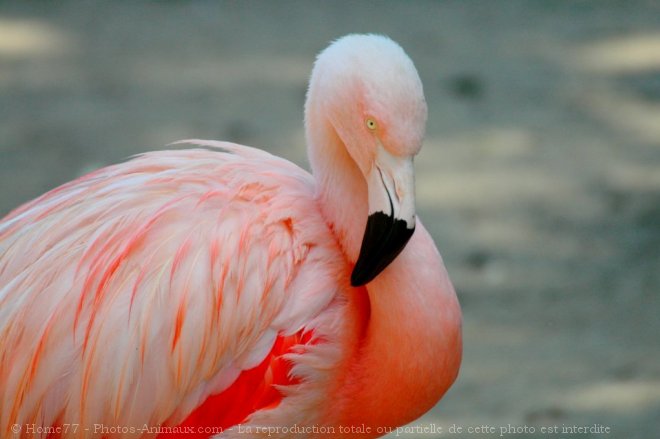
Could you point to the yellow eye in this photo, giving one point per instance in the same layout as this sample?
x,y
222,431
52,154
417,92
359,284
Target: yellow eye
x,y
371,124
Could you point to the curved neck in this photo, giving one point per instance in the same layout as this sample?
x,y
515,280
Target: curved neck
x,y
410,351
408,342
341,188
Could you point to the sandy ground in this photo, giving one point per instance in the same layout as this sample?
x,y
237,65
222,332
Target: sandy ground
x,y
539,179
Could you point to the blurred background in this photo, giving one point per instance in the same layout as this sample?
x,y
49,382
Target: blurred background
x,y
539,178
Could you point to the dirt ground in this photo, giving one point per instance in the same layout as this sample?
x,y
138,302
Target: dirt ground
x,y
539,179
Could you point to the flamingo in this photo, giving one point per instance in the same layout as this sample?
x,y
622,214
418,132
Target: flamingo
x,y
220,291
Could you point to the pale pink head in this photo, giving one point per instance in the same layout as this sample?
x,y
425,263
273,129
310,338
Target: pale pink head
x,y
367,92
372,94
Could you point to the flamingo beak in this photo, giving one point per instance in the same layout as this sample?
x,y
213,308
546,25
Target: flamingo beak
x,y
391,221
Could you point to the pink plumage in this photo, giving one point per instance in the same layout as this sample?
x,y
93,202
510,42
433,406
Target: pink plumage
x,y
192,291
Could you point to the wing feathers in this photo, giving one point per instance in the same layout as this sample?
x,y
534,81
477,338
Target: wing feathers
x,y
139,290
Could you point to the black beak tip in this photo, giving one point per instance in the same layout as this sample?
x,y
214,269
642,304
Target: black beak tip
x,y
358,279
384,238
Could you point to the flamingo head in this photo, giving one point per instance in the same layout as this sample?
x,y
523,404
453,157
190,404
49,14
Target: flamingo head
x,y
373,99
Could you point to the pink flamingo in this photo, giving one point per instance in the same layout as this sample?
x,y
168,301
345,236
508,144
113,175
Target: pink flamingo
x,y
225,291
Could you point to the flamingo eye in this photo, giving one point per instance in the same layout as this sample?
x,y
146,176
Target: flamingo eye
x,y
371,124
